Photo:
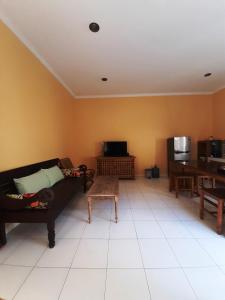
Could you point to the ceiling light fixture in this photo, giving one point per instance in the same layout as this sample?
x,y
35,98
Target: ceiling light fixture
x,y
104,79
207,74
94,27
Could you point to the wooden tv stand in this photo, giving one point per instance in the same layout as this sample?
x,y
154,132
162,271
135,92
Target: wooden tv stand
x,y
121,166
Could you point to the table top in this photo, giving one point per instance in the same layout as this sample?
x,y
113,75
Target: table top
x,y
204,166
105,186
116,157
208,168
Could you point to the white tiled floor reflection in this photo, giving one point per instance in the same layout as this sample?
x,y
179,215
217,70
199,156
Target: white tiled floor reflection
x,y
159,250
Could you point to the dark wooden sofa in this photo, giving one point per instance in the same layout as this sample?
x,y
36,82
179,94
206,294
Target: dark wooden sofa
x,y
60,194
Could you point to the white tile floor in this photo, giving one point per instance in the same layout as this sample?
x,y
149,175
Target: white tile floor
x,y
159,250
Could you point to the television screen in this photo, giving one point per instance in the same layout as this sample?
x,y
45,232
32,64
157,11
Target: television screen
x,y
115,148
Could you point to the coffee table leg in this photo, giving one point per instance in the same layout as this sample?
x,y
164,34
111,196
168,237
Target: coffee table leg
x,y
116,213
89,210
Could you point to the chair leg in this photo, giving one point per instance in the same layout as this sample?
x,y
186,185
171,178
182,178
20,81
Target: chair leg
x,y
51,234
192,187
219,225
199,184
171,183
116,211
202,202
176,187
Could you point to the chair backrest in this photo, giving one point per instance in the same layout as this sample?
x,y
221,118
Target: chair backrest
x,y
66,163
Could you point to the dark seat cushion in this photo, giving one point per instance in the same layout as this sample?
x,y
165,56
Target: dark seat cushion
x,y
215,192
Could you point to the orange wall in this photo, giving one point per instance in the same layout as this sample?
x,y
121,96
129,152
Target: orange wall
x,y
219,114
40,120
33,107
145,122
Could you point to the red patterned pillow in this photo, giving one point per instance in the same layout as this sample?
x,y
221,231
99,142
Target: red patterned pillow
x,y
73,172
36,204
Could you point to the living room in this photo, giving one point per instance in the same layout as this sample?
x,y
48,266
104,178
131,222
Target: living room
x,y
45,114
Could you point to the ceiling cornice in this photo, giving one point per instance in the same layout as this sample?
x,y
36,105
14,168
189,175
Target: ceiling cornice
x,y
220,89
143,95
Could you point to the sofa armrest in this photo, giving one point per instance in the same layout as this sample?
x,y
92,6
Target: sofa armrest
x,y
88,175
83,168
87,172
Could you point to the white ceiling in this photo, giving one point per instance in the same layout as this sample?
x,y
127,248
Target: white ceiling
x,y
143,46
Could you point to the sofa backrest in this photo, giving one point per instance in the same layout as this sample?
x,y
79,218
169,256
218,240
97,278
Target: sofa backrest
x,y
6,178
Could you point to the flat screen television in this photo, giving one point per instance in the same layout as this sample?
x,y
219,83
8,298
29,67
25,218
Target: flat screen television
x,y
116,148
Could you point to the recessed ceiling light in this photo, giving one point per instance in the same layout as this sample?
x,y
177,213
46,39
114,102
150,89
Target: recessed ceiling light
x,y
207,74
104,79
94,27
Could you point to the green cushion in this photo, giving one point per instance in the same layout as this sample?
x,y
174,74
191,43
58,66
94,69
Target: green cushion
x,y
54,174
32,183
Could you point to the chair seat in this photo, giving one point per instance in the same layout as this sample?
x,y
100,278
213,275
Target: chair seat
x,y
215,192
219,195
183,175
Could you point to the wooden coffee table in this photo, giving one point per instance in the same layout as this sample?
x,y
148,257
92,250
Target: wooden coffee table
x,y
104,186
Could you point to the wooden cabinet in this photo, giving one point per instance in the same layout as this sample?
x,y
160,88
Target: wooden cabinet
x,y
209,149
122,166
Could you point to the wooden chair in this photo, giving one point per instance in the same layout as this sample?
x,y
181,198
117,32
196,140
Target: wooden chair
x,y
204,181
182,182
218,194
66,163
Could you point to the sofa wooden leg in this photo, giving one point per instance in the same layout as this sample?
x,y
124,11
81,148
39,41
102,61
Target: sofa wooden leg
x,y
51,234
85,187
3,239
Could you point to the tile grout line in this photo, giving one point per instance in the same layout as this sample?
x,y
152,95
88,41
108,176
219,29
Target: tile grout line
x,y
13,251
107,264
28,275
142,259
144,269
118,268
70,267
80,239
197,240
181,268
